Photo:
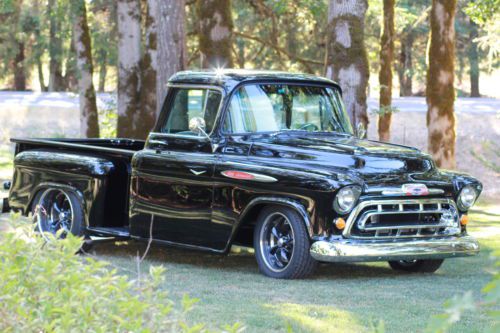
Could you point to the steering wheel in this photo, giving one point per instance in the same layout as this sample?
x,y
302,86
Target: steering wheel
x,y
306,127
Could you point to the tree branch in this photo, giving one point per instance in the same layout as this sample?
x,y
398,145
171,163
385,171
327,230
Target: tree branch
x,y
305,62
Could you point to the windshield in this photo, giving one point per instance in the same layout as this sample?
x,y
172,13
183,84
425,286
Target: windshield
x,y
260,108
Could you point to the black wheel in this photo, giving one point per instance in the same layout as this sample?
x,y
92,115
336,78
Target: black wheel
x,y
57,211
417,266
282,244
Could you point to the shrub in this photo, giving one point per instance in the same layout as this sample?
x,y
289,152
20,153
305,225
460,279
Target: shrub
x,y
45,287
460,304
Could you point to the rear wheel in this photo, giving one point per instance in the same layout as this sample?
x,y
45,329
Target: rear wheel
x,y
282,244
417,266
58,212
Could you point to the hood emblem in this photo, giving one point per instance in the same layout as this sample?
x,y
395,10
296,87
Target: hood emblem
x,y
415,189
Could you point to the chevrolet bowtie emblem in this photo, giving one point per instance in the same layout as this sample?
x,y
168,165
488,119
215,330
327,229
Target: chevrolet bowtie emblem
x,y
415,189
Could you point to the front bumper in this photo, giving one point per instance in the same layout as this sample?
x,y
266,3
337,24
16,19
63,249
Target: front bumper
x,y
350,250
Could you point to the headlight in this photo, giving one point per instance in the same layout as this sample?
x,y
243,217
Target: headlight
x,y
346,199
467,197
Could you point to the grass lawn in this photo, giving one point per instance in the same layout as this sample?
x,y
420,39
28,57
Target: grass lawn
x,y
338,298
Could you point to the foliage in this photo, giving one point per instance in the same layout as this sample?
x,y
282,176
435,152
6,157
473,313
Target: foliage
x,y
108,117
385,110
482,11
45,287
460,304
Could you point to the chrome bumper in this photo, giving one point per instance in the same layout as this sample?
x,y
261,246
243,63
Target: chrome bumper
x,y
350,250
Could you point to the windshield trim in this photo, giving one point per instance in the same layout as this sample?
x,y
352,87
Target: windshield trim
x,y
229,96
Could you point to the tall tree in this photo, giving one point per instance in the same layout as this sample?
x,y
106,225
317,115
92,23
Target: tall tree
x,y
385,74
89,125
347,61
18,66
149,63
56,81
171,44
440,92
129,57
215,33
473,60
405,66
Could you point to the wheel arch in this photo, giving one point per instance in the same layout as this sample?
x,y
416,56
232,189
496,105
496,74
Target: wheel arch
x,y
252,210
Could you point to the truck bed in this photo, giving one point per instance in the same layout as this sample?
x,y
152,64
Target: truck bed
x,y
99,169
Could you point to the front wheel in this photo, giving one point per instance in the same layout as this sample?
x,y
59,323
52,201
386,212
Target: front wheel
x,y
417,266
282,244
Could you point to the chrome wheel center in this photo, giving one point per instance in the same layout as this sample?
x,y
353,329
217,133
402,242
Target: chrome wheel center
x,y
54,212
276,242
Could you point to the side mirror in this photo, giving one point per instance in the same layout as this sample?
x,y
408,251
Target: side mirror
x,y
360,131
197,125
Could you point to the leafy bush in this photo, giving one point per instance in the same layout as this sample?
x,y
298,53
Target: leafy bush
x,y
45,287
460,304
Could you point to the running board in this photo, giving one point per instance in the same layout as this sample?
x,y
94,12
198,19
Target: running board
x,y
118,232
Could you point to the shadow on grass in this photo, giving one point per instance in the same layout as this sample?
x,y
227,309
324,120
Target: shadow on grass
x,y
243,263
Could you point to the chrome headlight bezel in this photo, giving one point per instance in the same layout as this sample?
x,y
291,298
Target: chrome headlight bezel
x,y
467,197
346,199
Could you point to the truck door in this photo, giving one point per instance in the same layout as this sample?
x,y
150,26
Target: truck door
x,y
172,178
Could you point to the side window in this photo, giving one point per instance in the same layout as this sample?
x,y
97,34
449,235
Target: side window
x,y
190,103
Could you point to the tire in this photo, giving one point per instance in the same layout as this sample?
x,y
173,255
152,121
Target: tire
x,y
281,233
417,266
47,216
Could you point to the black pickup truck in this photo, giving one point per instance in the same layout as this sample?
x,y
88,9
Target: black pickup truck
x,y
261,159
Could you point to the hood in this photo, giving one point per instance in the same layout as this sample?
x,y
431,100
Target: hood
x,y
363,160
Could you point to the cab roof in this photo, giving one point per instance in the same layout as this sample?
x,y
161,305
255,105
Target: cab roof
x,y
229,78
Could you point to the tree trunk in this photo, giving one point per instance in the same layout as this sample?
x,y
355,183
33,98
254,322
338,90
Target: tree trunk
x,y
171,45
129,57
70,77
385,74
56,82
19,68
405,72
215,33
89,126
347,61
440,93
41,78
103,71
473,61
146,113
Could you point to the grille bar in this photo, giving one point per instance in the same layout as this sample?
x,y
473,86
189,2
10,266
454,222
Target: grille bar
x,y
407,218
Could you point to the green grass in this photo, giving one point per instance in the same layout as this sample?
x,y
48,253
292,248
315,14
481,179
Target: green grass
x,y
338,298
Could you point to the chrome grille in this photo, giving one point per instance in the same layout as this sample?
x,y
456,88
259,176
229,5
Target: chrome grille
x,y
406,218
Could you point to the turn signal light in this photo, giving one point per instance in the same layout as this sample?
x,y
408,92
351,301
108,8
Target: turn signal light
x,y
340,223
464,219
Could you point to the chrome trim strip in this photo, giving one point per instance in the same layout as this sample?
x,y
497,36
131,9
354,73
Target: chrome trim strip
x,y
348,250
354,214
257,176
